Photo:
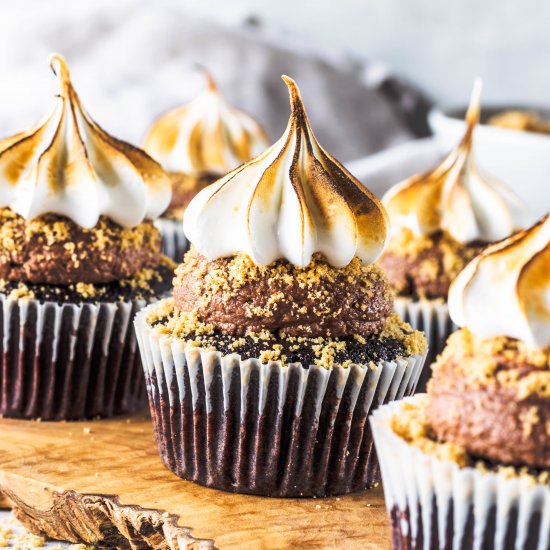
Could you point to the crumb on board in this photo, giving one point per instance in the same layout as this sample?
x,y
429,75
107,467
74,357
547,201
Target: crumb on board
x,y
15,537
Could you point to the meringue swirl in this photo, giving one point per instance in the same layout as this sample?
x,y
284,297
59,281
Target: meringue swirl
x,y
290,202
505,291
67,165
456,197
205,136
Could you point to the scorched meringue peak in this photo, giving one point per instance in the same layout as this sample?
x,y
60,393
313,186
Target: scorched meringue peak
x,y
457,197
67,165
290,202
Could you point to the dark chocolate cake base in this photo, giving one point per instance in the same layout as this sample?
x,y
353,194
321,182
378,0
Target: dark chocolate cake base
x,y
246,455
465,534
69,361
266,429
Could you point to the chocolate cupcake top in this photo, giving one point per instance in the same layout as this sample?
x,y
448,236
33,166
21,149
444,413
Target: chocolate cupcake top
x,y
288,203
456,197
207,136
68,165
281,266
490,392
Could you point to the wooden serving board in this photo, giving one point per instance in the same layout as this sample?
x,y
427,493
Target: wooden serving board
x,y
103,483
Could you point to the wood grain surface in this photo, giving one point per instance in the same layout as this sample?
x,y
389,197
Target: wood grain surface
x,y
102,482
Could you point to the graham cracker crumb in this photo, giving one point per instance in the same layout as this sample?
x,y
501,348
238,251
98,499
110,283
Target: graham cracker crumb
x,y
504,361
168,321
22,292
86,290
27,541
414,340
529,419
6,535
411,425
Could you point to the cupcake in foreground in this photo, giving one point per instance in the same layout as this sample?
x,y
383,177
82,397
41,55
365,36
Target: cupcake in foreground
x,y
440,221
79,258
468,464
280,337
197,144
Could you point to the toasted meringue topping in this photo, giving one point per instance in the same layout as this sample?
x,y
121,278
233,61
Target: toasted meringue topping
x,y
505,291
67,165
456,197
289,202
205,136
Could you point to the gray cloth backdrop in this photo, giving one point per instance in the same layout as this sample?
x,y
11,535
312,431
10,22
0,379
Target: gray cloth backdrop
x,y
133,59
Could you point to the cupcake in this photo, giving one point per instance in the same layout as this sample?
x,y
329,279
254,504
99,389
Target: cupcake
x,y
79,258
525,121
197,144
440,221
468,464
280,336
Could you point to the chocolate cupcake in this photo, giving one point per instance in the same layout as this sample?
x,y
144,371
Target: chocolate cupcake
x,y
79,258
440,221
468,464
280,336
197,144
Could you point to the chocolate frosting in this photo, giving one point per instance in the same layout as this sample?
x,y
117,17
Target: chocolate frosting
x,y
186,186
490,420
54,250
236,296
424,267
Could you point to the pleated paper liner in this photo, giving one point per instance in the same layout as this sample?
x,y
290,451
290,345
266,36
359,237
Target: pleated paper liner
x,y
69,361
265,429
431,317
174,242
438,504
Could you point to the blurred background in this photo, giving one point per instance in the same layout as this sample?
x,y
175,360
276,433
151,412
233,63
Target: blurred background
x,y
368,69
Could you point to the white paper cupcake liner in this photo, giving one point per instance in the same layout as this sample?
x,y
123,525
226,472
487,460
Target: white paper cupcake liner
x,y
431,317
174,242
437,504
68,361
266,429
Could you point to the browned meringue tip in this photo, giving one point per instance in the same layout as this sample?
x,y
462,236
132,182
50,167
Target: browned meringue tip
x,y
296,104
291,83
474,108
59,67
211,84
